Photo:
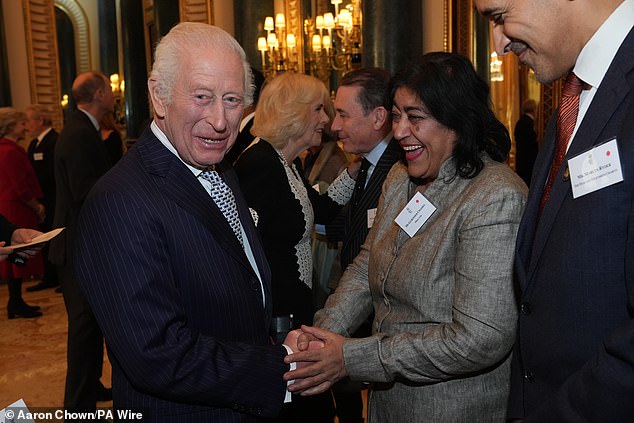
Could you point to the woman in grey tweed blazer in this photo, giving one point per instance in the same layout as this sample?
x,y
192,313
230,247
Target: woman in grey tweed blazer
x,y
445,314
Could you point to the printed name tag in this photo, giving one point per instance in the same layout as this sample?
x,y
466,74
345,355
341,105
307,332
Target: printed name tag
x,y
38,156
415,214
371,216
595,169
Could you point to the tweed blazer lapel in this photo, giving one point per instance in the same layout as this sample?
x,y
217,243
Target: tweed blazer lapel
x,y
611,93
178,183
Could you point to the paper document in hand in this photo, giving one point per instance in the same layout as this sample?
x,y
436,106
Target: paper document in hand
x,y
37,240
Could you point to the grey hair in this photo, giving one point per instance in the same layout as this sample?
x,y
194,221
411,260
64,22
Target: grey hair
x,y
40,112
9,117
186,36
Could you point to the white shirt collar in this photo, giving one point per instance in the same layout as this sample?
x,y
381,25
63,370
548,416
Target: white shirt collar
x,y
43,134
599,52
375,155
163,139
93,119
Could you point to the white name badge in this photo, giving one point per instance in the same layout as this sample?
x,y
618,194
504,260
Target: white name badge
x,y
371,216
595,169
38,156
415,214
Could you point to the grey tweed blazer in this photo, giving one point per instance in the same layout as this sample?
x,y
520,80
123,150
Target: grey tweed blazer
x,y
445,314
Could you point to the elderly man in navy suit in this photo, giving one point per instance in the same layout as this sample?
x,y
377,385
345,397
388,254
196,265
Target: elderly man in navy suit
x,y
574,358
168,254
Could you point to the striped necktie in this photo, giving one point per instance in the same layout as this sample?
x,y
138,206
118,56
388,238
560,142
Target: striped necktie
x,y
566,120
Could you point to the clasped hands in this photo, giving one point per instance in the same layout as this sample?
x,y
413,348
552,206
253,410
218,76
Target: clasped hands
x,y
318,354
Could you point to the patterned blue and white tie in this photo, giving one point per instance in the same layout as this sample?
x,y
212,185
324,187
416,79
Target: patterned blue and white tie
x,y
224,199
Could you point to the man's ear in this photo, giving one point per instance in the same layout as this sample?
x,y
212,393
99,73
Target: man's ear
x,y
379,117
157,101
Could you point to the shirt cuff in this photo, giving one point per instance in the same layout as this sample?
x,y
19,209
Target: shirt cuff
x,y
287,397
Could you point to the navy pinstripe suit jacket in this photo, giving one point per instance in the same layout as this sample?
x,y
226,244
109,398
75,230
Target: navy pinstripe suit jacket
x,y
179,304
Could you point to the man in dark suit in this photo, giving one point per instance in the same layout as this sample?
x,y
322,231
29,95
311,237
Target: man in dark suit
x,y
41,152
177,277
245,138
80,160
526,141
363,124
574,357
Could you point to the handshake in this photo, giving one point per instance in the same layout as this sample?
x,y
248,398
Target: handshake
x,y
318,354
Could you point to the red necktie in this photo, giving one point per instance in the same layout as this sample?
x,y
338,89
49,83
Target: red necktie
x,y
566,120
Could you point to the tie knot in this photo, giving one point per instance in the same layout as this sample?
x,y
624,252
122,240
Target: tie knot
x,y
573,85
365,164
211,175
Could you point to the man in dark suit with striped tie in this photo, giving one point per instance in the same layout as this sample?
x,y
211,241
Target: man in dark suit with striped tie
x,y
574,356
168,254
364,126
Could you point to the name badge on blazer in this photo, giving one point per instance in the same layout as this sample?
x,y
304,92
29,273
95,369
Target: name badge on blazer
x,y
595,169
415,214
371,216
38,156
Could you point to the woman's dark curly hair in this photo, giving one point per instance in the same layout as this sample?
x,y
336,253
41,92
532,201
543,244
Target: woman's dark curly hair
x,y
454,94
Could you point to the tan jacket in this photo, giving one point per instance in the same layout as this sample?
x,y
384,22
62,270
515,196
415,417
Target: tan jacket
x,y
445,314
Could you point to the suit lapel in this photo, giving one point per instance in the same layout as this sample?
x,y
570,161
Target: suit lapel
x,y
231,178
372,189
611,93
179,184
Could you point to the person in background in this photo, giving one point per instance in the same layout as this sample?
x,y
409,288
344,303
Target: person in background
x,y
168,255
19,194
573,359
41,151
321,165
440,278
363,125
526,141
292,115
245,137
111,138
80,160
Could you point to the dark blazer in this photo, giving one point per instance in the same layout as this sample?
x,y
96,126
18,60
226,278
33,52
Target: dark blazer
x,y
42,157
574,359
243,140
282,224
351,226
525,147
6,229
179,304
80,160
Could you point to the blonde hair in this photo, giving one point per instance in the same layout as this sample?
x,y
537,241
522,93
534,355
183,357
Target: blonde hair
x,y
9,117
285,105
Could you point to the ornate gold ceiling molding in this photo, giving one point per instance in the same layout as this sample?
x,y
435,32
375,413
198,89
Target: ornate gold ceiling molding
x,y
196,11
